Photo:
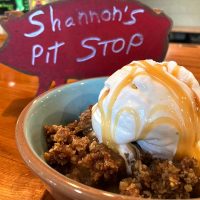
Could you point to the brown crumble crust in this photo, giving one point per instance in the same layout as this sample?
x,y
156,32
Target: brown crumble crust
x,y
74,151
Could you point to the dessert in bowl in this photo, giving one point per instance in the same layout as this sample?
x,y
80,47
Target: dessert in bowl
x,y
115,137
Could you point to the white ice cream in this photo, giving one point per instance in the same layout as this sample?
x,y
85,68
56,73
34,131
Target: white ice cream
x,y
158,109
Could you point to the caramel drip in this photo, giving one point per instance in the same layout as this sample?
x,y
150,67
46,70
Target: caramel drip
x,y
164,66
159,121
100,106
94,108
175,71
188,134
161,107
188,129
133,113
197,124
162,120
107,116
140,73
100,102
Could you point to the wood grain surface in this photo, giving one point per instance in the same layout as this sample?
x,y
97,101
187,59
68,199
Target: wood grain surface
x,y
16,91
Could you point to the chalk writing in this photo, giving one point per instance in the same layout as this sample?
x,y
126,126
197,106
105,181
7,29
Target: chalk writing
x,y
54,21
116,45
133,19
93,49
38,50
83,18
135,41
83,39
36,23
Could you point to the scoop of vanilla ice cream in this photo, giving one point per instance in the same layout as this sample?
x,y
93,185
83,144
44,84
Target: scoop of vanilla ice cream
x,y
136,105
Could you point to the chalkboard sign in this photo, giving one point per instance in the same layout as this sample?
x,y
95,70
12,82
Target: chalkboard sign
x,y
82,39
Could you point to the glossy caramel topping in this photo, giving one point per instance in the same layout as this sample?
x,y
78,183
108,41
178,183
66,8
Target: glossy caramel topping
x,y
133,113
107,132
188,129
188,133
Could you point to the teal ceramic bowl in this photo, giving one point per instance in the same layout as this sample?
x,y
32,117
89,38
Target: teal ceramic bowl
x,y
57,106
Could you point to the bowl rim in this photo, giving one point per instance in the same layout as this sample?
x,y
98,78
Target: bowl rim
x,y
45,172
49,175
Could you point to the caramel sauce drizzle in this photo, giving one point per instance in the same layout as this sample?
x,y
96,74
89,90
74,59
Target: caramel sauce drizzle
x,y
106,117
150,125
162,120
189,133
188,130
130,111
175,71
161,107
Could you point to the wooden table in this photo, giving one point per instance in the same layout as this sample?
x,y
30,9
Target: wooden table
x,y
16,90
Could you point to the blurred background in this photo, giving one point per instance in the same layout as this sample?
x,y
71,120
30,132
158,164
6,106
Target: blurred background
x,y
185,15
